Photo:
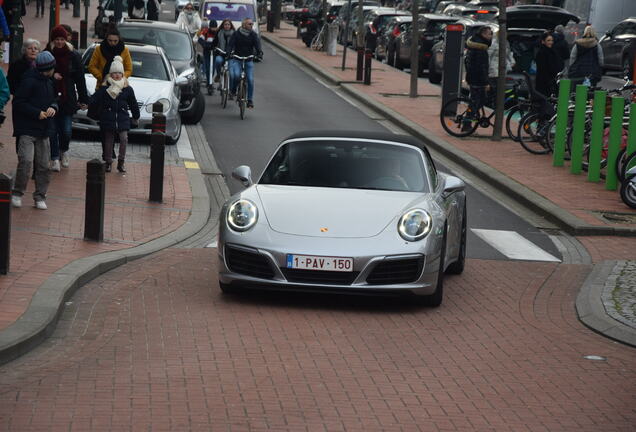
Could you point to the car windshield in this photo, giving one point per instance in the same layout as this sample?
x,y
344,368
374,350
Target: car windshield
x,y
176,44
145,65
233,11
347,164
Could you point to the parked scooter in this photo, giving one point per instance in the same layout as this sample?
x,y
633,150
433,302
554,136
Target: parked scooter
x,y
628,188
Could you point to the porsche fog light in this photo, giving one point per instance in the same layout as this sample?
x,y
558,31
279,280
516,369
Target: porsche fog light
x,y
415,225
242,215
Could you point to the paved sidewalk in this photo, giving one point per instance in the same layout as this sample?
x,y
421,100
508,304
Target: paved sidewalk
x,y
606,300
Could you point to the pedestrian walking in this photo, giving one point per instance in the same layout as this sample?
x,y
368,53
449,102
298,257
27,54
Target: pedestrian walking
x,y
105,52
153,8
39,8
586,58
30,50
493,60
34,105
136,9
70,87
477,68
113,101
223,36
189,19
561,45
549,64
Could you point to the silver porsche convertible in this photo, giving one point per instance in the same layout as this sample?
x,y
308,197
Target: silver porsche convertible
x,y
348,212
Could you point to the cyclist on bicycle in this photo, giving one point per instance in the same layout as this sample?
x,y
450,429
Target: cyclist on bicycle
x,y
224,34
206,38
477,69
244,42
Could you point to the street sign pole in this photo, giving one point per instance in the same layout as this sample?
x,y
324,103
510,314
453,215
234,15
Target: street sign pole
x,y
451,78
415,37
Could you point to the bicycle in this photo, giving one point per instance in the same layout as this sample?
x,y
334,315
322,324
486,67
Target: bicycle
x,y
318,42
241,92
224,81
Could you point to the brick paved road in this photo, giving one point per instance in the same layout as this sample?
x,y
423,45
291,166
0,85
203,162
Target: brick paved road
x,y
153,345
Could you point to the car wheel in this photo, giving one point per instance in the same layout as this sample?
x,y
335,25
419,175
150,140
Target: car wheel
x,y
433,76
435,299
458,266
197,112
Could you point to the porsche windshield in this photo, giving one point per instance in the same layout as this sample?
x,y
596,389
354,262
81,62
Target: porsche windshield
x,y
347,164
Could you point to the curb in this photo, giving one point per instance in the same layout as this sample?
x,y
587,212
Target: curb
x,y
527,197
40,319
591,311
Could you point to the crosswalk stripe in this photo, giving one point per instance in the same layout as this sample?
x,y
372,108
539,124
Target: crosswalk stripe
x,y
513,245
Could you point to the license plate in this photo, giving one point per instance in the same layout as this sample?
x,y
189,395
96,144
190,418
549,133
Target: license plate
x,y
303,30
327,263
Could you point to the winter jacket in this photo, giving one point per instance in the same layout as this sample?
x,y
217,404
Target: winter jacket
x,y
114,112
34,95
17,70
75,85
245,45
586,59
192,23
204,36
561,46
493,59
98,63
154,6
477,61
549,64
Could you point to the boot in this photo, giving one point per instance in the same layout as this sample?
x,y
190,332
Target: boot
x,y
108,168
120,166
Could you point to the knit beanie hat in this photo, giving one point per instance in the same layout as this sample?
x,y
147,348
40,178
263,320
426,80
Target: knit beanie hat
x,y
58,31
117,65
44,61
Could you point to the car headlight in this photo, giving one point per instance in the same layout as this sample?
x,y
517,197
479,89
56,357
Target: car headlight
x,y
163,101
415,225
242,215
190,74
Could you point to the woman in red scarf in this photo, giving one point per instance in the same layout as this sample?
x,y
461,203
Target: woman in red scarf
x,y
70,87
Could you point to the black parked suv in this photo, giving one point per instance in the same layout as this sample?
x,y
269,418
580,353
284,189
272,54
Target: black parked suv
x,y
177,43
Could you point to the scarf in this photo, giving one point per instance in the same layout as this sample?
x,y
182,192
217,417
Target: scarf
x,y
224,37
116,87
62,66
245,32
109,53
189,16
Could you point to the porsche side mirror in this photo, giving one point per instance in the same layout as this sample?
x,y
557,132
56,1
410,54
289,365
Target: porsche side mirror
x,y
452,185
243,174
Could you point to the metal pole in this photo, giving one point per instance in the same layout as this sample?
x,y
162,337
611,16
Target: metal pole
x,y
5,222
562,122
157,152
94,207
360,41
615,137
578,131
598,120
415,44
501,77
344,42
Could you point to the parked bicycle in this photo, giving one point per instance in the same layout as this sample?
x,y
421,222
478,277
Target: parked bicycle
x,y
241,92
628,184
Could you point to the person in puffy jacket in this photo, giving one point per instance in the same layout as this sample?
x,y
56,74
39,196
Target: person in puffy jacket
x,y
189,19
493,60
477,64
105,52
586,58
113,101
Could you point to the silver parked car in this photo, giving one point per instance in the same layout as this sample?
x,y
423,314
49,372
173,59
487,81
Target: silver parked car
x,y
154,79
353,212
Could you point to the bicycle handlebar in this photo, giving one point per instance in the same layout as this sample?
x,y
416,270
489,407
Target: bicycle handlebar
x,y
249,57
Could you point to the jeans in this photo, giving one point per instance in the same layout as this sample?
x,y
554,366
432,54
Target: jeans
x,y
109,141
235,76
218,62
33,149
60,137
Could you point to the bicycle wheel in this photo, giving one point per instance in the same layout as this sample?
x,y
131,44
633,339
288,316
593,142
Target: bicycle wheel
x,y
225,89
531,134
241,98
626,164
513,117
456,119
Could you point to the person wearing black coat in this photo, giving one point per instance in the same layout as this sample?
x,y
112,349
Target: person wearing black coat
x,y
152,13
477,67
549,64
114,101
30,50
34,105
70,85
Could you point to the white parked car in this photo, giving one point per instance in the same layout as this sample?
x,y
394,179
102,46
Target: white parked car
x,y
154,79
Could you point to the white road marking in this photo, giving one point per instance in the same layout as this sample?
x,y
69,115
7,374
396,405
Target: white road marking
x,y
212,245
183,145
513,245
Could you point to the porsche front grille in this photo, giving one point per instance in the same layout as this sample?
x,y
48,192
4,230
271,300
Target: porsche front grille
x,y
319,276
250,263
396,271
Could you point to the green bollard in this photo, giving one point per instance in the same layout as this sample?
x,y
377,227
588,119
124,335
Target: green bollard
x,y
616,135
562,122
631,133
596,142
578,132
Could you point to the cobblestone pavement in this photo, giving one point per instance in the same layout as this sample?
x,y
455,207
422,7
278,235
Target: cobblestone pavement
x,y
619,296
153,345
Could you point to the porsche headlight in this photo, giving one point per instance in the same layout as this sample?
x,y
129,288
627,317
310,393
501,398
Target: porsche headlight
x,y
242,215
415,225
163,101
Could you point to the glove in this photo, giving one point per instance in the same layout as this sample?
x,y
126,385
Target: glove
x,y
134,122
259,57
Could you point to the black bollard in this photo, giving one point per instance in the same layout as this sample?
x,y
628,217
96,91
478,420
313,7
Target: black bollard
x,y
368,58
95,194
157,149
75,38
83,39
270,22
359,65
5,222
